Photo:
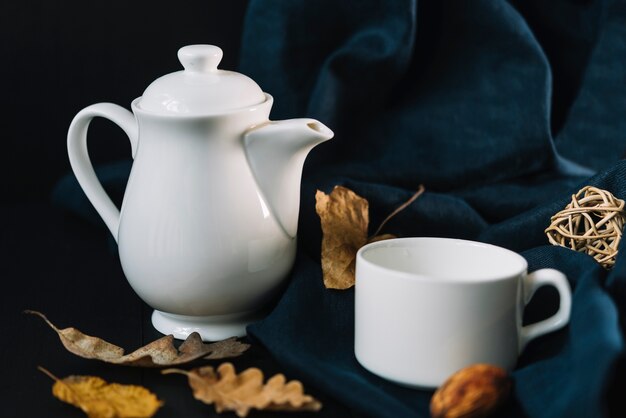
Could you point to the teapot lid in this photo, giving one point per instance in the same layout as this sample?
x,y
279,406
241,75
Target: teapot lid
x,y
201,88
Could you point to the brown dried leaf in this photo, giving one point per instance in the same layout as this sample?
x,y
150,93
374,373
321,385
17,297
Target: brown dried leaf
x,y
243,392
472,392
99,399
158,353
344,217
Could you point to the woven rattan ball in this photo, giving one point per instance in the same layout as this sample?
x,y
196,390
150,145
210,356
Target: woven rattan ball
x,y
591,223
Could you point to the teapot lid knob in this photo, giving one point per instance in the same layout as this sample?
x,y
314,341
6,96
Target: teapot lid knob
x,y
200,58
201,89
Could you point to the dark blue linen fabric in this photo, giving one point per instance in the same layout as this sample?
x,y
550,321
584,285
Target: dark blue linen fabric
x,y
502,110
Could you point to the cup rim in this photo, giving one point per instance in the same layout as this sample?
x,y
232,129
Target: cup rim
x,y
397,242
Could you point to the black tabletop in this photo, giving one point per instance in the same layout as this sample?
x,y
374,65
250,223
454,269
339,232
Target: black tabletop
x,y
64,268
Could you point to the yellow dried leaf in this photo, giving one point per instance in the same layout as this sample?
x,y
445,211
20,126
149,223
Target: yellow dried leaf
x,y
344,217
158,353
245,391
99,399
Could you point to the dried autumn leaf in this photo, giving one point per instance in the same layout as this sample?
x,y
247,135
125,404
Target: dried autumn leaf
x,y
245,391
158,353
99,399
344,216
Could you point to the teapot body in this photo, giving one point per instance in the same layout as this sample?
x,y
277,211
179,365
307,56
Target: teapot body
x,y
196,235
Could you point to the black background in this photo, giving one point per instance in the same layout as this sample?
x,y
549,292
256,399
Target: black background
x,y
61,56
58,57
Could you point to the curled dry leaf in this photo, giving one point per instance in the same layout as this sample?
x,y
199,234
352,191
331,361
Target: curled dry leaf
x,y
344,216
473,392
158,353
99,399
245,391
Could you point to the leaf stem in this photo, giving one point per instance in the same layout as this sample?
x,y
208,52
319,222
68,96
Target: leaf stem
x,y
42,316
400,208
175,371
48,373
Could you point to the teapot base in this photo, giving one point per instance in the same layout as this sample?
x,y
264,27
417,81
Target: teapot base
x,y
210,328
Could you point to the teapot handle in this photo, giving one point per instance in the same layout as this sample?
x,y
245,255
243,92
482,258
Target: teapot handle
x,y
81,164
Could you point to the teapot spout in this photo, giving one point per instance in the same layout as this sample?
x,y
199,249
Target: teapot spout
x,y
276,152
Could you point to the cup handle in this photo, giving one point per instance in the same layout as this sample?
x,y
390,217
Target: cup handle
x,y
81,164
534,281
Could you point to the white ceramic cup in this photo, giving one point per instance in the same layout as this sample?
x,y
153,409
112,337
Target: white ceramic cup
x,y
427,307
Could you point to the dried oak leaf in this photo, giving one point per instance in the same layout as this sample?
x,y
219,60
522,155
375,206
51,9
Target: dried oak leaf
x,y
99,399
158,353
245,391
344,217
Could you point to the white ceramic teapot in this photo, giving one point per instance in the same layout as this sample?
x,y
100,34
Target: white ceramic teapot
x,y
207,228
